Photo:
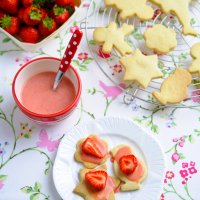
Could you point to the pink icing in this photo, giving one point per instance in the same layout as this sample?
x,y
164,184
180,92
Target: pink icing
x,y
139,172
99,143
37,94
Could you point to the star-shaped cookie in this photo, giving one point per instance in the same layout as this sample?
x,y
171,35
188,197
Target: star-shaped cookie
x,y
112,36
156,39
195,53
180,8
112,185
130,8
140,68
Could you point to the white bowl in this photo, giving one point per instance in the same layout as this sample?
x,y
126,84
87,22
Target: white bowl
x,y
33,47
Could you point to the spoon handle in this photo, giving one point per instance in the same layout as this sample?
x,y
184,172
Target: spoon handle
x,y
70,50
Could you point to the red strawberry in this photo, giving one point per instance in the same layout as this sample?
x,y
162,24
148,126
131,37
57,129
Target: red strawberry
x,y
29,34
32,15
27,3
90,148
20,14
63,2
10,24
47,26
60,15
10,6
2,14
96,179
128,164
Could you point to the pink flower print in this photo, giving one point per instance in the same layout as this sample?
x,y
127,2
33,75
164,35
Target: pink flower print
x,y
16,59
86,5
111,91
165,181
169,175
192,170
184,173
192,163
162,197
181,144
184,165
196,96
103,55
45,142
26,59
73,29
182,139
82,56
175,157
117,68
183,182
175,140
1,185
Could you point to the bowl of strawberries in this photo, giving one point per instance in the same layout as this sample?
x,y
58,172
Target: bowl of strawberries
x,y
31,23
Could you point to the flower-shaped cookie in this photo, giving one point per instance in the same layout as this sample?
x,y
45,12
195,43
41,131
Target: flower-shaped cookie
x,y
97,184
129,169
160,39
91,151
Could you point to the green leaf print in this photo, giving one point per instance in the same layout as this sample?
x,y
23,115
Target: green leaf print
x,y
37,187
27,189
1,99
88,61
34,196
3,177
5,40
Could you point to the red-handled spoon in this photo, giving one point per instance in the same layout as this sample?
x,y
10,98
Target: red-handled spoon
x,y
68,55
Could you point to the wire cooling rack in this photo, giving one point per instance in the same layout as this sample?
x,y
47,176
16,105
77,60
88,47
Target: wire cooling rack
x,y
99,15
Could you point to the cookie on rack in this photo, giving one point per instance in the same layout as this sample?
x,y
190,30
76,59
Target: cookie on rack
x,y
160,39
130,8
91,151
195,53
180,8
131,170
141,68
113,37
97,184
174,89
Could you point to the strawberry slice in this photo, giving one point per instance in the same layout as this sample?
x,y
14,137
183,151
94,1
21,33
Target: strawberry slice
x,y
128,164
89,147
96,179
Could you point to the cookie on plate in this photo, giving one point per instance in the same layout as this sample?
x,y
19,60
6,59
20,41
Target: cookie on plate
x,y
130,8
141,68
113,37
91,151
180,8
131,170
155,39
195,53
96,184
174,89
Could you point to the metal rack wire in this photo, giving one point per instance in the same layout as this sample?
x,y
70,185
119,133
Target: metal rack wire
x,y
100,16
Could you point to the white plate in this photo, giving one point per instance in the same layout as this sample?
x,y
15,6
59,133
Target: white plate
x,y
115,131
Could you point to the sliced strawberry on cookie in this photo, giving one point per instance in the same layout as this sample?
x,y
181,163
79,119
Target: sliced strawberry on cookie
x,y
128,164
91,151
89,147
10,24
96,179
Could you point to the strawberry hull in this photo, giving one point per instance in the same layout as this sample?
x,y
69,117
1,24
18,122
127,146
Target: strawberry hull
x,y
33,47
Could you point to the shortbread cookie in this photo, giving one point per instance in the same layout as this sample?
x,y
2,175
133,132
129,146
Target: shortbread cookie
x,y
180,8
112,36
128,168
160,39
96,184
195,53
175,88
91,151
141,68
130,8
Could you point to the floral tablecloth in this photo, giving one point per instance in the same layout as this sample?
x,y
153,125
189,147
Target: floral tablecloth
x,y
28,150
